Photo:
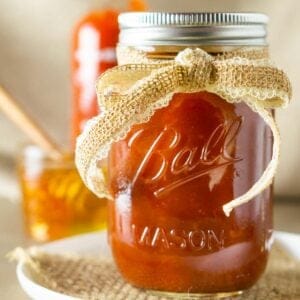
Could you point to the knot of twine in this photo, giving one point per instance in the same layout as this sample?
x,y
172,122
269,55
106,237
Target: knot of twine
x,y
130,94
196,67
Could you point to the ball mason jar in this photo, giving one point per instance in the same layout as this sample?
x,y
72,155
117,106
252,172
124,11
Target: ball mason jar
x,y
170,176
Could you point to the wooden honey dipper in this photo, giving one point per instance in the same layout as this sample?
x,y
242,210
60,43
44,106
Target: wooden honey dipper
x,y
16,114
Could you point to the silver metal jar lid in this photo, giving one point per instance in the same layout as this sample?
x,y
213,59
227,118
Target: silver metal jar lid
x,y
162,28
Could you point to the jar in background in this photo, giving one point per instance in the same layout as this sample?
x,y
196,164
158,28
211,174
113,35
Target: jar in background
x,y
171,176
93,51
55,202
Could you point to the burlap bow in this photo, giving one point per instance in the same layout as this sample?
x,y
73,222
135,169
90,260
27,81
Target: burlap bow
x,y
131,93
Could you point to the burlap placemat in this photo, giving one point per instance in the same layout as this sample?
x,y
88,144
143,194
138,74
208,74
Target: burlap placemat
x,y
98,278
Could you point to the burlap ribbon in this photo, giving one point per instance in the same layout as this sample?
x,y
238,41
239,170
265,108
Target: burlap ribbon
x,y
130,94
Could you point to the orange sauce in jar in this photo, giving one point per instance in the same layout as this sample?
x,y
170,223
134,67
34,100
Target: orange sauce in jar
x,y
170,178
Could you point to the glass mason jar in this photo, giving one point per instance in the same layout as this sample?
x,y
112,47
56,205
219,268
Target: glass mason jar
x,y
171,176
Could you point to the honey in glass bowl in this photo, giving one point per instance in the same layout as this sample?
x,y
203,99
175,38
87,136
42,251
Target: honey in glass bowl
x,y
55,201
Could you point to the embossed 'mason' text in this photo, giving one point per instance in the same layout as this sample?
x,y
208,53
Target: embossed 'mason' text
x,y
166,239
